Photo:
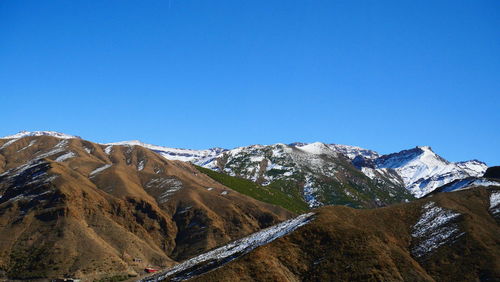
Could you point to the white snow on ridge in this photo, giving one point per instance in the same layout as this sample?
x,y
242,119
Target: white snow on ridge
x,y
167,186
37,160
40,133
59,148
8,143
32,142
434,229
66,156
495,203
472,167
317,148
33,172
468,183
140,165
99,169
352,152
370,172
108,149
422,170
198,157
231,251
485,182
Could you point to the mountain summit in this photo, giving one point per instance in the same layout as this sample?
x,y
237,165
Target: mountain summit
x,y
422,170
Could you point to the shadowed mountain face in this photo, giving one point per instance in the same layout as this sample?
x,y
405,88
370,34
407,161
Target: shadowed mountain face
x,y
446,237
69,207
493,172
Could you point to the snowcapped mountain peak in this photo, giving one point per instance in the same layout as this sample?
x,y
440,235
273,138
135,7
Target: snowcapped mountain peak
x,y
420,154
22,134
422,170
351,152
316,148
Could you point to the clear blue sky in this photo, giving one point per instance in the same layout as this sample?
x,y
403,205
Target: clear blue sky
x,y
385,75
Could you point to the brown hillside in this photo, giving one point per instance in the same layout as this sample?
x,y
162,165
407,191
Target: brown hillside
x,y
69,207
344,244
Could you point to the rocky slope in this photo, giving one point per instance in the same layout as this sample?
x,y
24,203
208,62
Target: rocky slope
x,y
70,207
446,237
316,172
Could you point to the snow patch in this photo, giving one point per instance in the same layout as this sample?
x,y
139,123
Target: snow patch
x,y
370,172
66,156
434,228
222,255
141,164
167,186
22,134
99,169
8,143
309,196
316,148
197,157
108,149
32,142
352,152
495,203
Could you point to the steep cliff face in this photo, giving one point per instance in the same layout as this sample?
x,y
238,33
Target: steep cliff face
x,y
492,172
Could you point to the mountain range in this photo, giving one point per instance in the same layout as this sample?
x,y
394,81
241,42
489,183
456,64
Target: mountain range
x,y
330,173
74,208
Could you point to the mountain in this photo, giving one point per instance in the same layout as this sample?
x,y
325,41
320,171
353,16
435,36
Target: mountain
x,y
73,208
315,173
421,170
447,237
322,174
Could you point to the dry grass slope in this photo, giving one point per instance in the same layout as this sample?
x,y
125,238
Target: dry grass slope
x,y
79,209
345,244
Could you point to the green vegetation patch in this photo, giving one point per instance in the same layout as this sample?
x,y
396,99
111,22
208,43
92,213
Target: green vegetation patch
x,y
269,194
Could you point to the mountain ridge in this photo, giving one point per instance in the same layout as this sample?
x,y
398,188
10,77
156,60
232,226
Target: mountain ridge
x,y
419,169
